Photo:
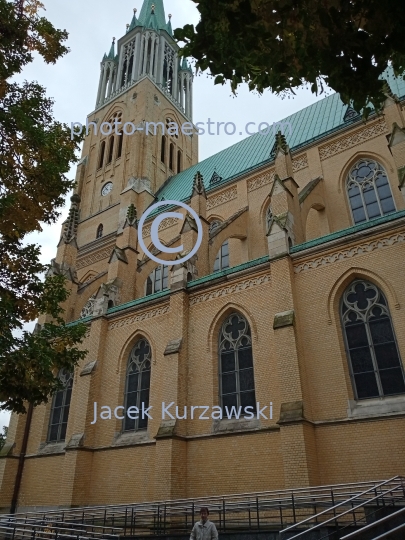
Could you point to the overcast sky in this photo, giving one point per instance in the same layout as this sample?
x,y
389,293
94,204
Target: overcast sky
x,y
73,83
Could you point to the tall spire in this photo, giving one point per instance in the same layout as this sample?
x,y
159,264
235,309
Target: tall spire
x,y
134,21
159,14
169,25
111,54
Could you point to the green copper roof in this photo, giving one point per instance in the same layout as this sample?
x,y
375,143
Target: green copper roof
x,y
111,54
159,18
134,22
308,125
169,26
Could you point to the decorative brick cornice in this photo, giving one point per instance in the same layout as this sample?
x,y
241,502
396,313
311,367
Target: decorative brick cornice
x,y
343,254
300,162
223,197
370,132
165,224
94,257
230,289
132,319
261,180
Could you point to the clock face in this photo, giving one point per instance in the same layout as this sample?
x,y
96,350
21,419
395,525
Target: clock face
x,y
106,189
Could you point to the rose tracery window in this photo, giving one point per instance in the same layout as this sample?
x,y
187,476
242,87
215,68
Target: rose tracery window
x,y
88,308
237,387
369,191
137,385
375,364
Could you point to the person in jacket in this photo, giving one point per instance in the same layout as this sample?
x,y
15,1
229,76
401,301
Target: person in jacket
x,y
204,529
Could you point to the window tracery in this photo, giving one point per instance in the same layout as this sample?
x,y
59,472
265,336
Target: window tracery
x,y
369,191
137,385
237,387
375,364
87,310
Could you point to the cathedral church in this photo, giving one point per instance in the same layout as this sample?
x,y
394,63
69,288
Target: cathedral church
x,y
292,308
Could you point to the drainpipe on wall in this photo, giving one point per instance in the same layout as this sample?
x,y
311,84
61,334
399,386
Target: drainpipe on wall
x,y
21,460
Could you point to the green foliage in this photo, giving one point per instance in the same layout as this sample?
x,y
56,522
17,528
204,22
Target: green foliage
x,y
36,152
282,44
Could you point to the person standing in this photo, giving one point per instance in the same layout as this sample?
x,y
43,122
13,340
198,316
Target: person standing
x,y
204,529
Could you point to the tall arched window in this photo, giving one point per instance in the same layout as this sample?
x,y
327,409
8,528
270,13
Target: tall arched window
x,y
101,157
236,377
137,385
222,259
179,161
100,229
369,191
269,217
163,150
60,408
158,280
120,143
171,157
375,364
110,150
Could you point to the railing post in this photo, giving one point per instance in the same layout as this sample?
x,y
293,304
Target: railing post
x,y
257,512
293,508
281,515
223,511
164,519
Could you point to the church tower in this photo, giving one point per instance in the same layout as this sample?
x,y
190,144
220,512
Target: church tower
x,y
134,135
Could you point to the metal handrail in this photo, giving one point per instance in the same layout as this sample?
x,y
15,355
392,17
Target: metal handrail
x,y
262,511
384,535
61,528
341,503
352,509
211,500
372,525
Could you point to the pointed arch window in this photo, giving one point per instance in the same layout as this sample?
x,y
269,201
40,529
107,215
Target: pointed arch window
x,y
222,259
120,143
100,230
110,150
101,156
137,385
158,280
236,375
375,364
171,157
60,408
179,161
269,217
163,150
369,191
